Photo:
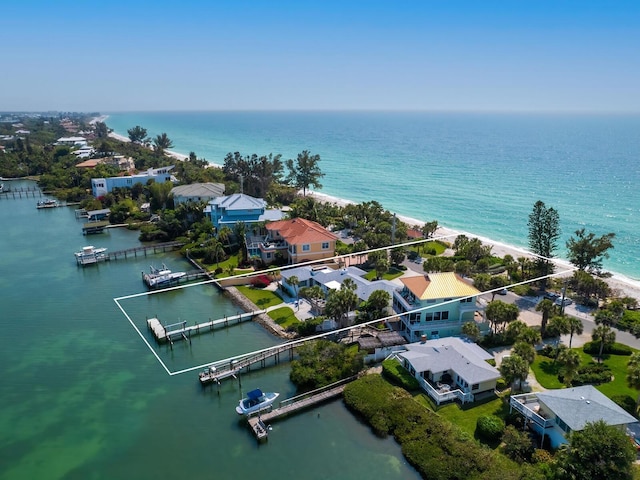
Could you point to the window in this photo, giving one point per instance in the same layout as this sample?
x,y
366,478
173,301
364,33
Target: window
x,y
562,425
428,317
475,386
414,317
445,315
269,255
436,316
325,245
306,248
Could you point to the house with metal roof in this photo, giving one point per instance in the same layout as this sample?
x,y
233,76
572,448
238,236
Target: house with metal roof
x,y
197,192
450,369
557,413
437,305
231,209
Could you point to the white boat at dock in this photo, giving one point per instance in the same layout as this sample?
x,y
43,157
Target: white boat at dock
x,y
48,203
158,277
90,255
255,401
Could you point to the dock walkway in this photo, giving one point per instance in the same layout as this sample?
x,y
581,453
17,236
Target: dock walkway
x,y
144,249
258,422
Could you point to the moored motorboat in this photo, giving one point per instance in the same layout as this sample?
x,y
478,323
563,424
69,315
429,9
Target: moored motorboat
x,y
161,276
255,401
47,203
90,255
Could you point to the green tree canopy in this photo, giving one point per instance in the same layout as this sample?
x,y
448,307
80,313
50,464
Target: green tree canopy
x,y
597,451
137,134
305,172
586,251
161,143
544,232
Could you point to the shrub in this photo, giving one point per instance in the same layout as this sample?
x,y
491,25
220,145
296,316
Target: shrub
x,y
490,428
393,371
491,361
518,445
592,374
593,348
261,281
626,402
501,384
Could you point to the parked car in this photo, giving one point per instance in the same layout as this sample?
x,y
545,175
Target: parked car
x,y
551,296
563,302
502,292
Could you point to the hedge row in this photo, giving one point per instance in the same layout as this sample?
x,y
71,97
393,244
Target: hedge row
x,y
434,446
593,348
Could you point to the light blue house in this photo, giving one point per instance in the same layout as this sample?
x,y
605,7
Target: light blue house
x,y
101,186
557,413
437,305
230,209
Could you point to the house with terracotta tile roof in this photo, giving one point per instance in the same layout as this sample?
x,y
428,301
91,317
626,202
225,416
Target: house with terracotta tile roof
x,y
297,240
436,305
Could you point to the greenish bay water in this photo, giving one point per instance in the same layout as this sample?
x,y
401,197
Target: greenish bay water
x,y
473,172
82,395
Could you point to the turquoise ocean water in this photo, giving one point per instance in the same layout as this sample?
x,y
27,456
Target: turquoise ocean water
x,y
478,173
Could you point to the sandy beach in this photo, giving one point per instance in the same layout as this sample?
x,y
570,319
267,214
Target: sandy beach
x,y
619,283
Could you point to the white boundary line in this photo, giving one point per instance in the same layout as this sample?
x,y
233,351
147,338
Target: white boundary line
x,y
314,337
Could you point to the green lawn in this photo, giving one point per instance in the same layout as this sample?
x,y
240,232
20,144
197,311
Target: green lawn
x,y
422,248
284,316
547,373
389,275
262,298
466,416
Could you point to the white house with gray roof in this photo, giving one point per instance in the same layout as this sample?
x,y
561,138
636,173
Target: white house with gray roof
x,y
450,368
331,279
557,413
197,192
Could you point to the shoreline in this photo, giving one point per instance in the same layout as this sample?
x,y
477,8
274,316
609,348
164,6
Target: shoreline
x,y
627,286
622,283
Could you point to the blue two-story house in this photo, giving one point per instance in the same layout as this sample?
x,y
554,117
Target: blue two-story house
x,y
437,305
230,209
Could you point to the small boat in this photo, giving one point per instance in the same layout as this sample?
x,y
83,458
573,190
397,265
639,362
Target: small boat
x,y
47,203
161,276
255,401
90,255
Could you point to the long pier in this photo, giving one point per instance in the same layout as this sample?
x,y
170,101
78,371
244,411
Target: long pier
x,y
164,333
259,421
217,372
144,249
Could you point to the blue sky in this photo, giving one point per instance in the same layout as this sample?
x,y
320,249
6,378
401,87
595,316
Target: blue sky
x,y
259,55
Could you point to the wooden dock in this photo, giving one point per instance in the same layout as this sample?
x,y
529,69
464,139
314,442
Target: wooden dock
x,y
145,249
231,369
166,333
259,421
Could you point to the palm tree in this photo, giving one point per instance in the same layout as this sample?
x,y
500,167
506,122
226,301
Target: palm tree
x,y
576,326
633,375
161,143
224,235
294,282
604,335
471,330
525,351
218,251
547,308
570,361
240,231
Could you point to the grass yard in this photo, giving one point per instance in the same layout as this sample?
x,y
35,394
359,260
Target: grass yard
x,y
547,373
389,275
466,416
284,316
262,298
